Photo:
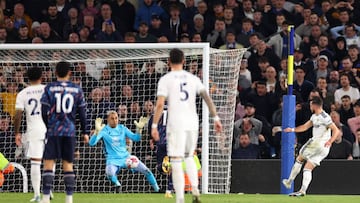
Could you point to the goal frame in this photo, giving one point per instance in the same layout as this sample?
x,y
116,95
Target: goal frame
x,y
110,46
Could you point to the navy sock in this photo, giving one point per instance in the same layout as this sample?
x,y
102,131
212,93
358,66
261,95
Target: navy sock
x,y
69,180
48,178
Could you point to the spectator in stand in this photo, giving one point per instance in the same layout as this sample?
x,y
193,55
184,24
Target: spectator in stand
x,y
55,19
202,9
90,9
356,149
341,148
123,115
247,10
125,12
346,109
230,42
230,20
261,25
326,49
311,61
130,37
107,77
217,37
244,70
148,108
23,35
340,52
8,98
346,132
217,12
127,96
262,52
84,35
20,17
63,6
277,8
35,29
272,84
89,22
347,68
47,34
143,35
354,57
200,27
246,31
7,144
350,33
302,85
189,12
175,24
73,38
328,97
10,29
280,43
246,149
185,38
109,33
145,12
346,89
72,24
234,5
265,102
87,81
322,69
135,110
157,28
196,37
97,106
106,15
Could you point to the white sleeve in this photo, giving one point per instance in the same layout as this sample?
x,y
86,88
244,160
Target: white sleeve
x,y
19,104
162,88
199,86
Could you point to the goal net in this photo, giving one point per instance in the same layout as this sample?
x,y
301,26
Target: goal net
x,y
123,77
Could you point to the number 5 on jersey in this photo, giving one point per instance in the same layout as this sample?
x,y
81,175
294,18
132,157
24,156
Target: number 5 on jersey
x,y
184,91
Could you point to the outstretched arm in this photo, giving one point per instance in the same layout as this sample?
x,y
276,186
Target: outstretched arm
x,y
335,133
300,128
17,122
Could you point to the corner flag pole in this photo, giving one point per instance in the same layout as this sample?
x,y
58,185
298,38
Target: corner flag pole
x,y
288,117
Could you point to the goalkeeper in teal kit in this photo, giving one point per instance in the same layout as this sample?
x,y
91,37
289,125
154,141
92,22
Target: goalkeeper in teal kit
x,y
117,157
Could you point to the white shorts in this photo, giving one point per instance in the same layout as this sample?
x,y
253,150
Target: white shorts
x,y
34,148
314,151
181,144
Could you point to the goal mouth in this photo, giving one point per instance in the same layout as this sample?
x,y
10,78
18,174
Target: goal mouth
x,y
123,77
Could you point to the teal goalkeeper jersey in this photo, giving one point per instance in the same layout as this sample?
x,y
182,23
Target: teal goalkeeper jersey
x,y
115,143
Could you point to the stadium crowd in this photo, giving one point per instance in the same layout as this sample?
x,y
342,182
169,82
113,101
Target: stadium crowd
x,y
326,59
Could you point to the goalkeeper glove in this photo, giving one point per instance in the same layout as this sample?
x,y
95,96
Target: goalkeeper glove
x,y
98,125
140,124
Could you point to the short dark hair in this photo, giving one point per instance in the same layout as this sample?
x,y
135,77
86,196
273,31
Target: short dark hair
x,y
317,101
62,69
176,56
34,73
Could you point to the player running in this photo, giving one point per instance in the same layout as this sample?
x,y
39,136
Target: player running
x,y
316,148
114,137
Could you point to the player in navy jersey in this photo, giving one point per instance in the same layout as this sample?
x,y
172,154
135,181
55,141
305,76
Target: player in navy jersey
x,y
61,101
162,160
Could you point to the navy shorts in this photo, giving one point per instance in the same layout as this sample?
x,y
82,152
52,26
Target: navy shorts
x,y
60,147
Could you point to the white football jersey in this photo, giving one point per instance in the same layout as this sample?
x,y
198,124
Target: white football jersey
x,y
28,100
321,130
180,89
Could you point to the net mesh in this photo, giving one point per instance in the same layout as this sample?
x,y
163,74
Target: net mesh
x,y
123,80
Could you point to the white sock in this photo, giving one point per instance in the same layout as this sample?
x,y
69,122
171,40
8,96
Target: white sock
x,y
295,171
68,199
192,174
307,176
35,173
178,179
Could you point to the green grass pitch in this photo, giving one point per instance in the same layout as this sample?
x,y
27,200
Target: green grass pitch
x,y
159,198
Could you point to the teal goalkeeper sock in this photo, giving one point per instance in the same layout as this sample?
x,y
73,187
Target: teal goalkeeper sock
x,y
151,178
114,180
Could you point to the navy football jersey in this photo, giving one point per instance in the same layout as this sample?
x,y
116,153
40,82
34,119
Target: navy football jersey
x,y
60,103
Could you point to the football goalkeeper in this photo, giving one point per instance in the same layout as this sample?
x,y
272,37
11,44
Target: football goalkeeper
x,y
5,168
114,137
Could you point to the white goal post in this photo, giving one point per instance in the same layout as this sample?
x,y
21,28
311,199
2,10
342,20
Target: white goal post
x,y
219,70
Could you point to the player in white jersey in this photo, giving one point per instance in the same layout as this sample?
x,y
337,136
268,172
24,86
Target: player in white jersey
x,y
32,141
180,88
316,148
